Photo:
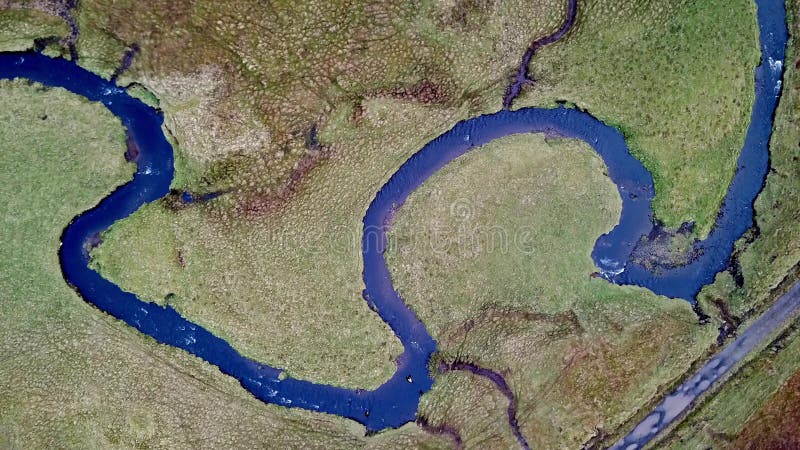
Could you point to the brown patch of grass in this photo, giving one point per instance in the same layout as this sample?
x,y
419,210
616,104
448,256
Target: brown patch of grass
x,y
775,425
501,317
426,92
255,203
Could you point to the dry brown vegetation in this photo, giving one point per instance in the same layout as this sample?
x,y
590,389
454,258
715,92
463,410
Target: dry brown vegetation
x,y
775,425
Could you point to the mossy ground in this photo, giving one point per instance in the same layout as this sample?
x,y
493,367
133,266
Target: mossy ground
x,y
19,28
775,424
73,377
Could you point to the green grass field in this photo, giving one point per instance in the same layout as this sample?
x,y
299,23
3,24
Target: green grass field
x,y
19,27
676,77
73,377
240,122
493,253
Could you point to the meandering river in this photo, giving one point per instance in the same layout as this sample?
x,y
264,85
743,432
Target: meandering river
x,y
396,401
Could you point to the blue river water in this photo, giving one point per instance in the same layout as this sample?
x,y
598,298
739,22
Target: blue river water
x,y
736,215
395,402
